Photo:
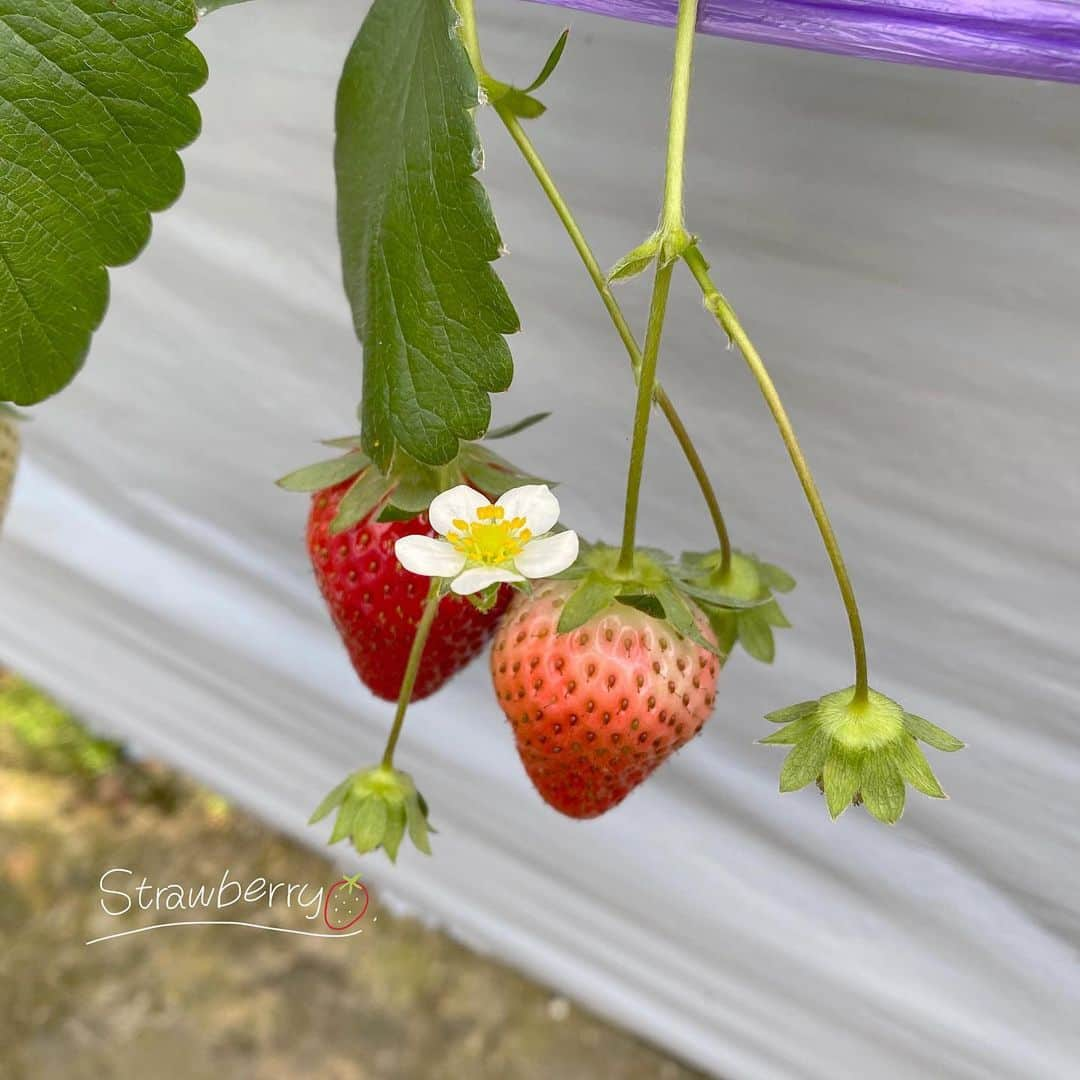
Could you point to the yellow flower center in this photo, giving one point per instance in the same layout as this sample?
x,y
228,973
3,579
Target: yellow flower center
x,y
491,540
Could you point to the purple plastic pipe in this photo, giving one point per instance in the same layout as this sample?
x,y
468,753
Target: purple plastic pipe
x,y
1035,39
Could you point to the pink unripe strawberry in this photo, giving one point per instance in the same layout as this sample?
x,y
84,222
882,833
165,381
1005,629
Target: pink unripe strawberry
x,y
598,709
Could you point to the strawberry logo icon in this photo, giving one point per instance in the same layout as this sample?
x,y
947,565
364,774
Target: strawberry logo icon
x,y
345,904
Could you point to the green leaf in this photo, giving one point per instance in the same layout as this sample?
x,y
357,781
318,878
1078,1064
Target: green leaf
x,y
418,236
359,500
205,7
550,64
94,105
334,798
805,762
755,636
588,599
937,737
324,474
517,426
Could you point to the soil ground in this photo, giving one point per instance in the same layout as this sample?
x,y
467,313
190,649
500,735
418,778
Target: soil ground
x,y
397,1001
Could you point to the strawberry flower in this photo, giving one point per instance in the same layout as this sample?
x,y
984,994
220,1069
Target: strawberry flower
x,y
484,543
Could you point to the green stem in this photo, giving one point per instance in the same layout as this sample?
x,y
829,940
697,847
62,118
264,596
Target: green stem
x,y
716,303
646,387
412,668
622,327
671,228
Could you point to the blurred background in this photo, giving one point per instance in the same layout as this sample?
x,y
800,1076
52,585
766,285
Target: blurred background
x,y
904,245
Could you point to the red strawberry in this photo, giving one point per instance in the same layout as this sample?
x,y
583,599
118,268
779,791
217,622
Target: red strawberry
x,y
376,603
345,904
597,709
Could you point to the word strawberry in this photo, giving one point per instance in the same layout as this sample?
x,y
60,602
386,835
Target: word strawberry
x,y
357,515
597,709
345,904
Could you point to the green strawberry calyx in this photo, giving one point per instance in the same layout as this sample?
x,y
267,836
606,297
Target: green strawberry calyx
x,y
375,808
746,578
858,751
657,584
407,487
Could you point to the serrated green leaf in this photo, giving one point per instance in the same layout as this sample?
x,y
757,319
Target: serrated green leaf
x,y
805,762
775,577
418,235
369,825
359,500
883,792
333,798
205,7
518,426
792,712
841,778
550,64
915,769
323,474
94,105
590,598
931,734
755,636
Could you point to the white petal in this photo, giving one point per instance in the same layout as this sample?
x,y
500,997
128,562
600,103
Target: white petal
x,y
548,555
459,502
477,578
428,556
534,503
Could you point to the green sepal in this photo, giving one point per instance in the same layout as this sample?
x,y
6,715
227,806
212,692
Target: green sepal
x,y
931,734
862,751
376,808
550,64
679,613
643,602
590,598
521,101
636,261
324,474
486,599
756,636
332,800
744,587
521,104
390,512
515,428
368,490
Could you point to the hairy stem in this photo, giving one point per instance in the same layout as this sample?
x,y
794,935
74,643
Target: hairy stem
x,y
412,668
646,387
671,225
622,327
716,303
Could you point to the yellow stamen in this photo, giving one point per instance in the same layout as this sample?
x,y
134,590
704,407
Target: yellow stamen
x,y
490,540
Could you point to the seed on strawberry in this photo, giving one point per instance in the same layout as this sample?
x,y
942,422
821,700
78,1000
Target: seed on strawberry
x,y
595,711
376,603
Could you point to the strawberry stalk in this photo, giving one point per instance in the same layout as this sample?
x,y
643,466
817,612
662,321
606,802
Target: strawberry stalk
x,y
669,242
504,108
412,668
